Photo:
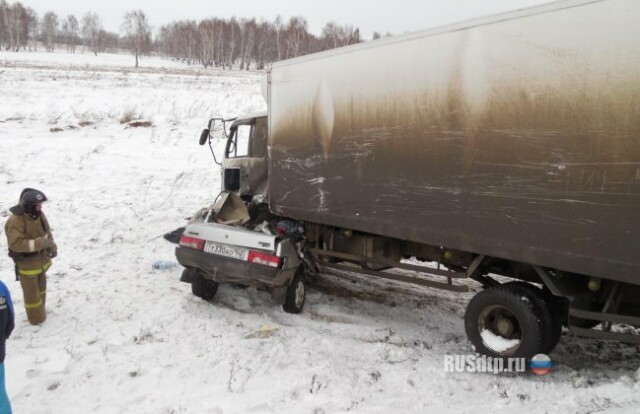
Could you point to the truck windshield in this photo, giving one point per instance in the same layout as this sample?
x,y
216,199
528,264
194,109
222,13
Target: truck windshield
x,y
238,145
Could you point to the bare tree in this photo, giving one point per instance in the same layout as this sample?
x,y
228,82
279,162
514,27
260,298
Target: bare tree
x,y
248,31
108,41
279,26
264,50
232,38
4,27
206,42
189,40
221,43
332,34
13,26
49,30
70,29
91,27
335,35
137,33
29,29
296,35
17,26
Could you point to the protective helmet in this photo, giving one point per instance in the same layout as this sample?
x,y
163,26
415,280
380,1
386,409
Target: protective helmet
x,y
30,197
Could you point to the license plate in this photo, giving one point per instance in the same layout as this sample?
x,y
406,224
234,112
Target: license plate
x,y
226,250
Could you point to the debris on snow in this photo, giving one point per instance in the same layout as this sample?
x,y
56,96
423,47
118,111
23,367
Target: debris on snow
x,y
265,332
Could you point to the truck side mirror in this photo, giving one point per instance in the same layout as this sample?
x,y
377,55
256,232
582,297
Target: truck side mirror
x,y
204,136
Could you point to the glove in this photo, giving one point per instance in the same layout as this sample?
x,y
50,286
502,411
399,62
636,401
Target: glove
x,y
52,254
47,243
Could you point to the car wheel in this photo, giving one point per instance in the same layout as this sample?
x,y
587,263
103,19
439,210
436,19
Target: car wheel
x,y
204,288
296,294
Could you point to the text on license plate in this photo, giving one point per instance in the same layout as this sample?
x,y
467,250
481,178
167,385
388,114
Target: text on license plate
x,y
226,250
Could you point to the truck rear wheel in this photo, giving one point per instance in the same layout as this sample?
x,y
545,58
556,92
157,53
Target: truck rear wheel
x,y
296,294
203,288
551,314
501,321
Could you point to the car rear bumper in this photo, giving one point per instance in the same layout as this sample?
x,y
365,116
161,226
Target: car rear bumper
x,y
229,270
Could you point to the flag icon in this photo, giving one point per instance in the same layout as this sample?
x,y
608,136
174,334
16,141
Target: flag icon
x,y
540,364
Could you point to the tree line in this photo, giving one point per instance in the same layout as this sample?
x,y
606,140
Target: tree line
x,y
22,29
247,43
213,42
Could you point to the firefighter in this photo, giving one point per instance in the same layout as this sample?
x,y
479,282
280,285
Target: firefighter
x,y
31,247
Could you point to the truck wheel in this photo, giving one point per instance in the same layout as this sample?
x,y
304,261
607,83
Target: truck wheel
x,y
551,316
502,322
203,288
296,293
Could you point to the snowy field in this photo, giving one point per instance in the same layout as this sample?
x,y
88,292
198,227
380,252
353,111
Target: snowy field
x,y
122,338
103,62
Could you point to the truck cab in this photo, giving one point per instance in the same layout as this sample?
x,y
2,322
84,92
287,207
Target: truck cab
x,y
244,167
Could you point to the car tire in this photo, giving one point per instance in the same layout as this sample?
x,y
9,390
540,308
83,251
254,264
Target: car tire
x,y
296,294
204,288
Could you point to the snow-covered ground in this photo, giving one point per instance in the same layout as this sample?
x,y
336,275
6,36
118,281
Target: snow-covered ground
x,y
122,338
102,62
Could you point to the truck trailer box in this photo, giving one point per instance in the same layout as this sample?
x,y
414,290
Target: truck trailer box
x,y
515,136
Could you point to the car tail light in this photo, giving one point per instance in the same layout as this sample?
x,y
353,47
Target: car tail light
x,y
192,242
264,259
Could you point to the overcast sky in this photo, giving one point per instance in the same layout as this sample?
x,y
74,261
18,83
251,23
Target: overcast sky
x,y
395,16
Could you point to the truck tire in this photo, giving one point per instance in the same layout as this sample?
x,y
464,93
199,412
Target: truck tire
x,y
203,288
296,294
512,323
552,318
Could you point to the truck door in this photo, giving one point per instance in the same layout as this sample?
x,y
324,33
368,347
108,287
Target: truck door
x,y
244,168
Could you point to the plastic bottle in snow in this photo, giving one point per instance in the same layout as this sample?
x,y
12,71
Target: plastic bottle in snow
x,y
164,264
